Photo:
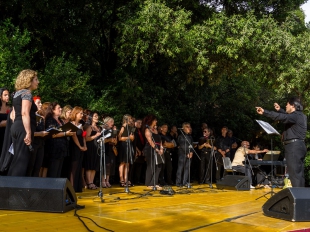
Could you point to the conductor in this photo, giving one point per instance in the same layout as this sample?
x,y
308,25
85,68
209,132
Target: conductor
x,y
293,137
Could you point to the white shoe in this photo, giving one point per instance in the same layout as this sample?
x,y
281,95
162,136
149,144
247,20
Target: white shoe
x,y
252,187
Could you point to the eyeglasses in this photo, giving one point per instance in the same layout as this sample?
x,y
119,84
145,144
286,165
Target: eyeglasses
x,y
205,131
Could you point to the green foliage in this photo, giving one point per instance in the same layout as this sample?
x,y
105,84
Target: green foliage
x,y
154,29
14,56
62,81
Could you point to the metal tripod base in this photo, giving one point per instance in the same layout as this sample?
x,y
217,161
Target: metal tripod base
x,y
271,194
188,185
127,190
100,195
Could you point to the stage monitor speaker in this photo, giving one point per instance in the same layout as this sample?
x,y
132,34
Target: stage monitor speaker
x,y
36,194
234,182
292,204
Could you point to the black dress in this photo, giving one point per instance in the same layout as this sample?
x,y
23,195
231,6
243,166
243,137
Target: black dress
x,y
92,159
126,147
76,156
37,155
56,149
109,157
3,117
153,159
22,156
6,157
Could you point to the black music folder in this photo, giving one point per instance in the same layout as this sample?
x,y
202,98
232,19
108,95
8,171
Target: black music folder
x,y
68,126
52,131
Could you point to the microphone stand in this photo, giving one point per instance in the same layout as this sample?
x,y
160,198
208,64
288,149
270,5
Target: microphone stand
x,y
127,157
269,130
102,154
189,166
210,164
247,162
153,164
128,148
100,141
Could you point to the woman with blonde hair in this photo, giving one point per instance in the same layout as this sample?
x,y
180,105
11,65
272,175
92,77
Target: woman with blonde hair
x,y
109,142
125,137
23,128
66,113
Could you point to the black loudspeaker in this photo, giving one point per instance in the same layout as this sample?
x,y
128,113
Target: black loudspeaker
x,y
36,194
292,204
234,182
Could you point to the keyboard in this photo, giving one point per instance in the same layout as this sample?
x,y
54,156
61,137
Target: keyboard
x,y
268,162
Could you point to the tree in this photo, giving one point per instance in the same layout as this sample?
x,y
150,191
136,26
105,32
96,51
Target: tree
x,y
14,56
62,81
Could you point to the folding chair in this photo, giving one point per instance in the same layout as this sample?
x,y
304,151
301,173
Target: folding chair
x,y
227,166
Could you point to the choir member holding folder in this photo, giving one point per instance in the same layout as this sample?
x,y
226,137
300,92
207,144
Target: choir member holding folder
x,y
57,144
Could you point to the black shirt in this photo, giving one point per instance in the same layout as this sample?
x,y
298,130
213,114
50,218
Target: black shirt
x,y
295,123
185,143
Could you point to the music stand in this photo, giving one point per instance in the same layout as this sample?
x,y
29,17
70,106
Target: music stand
x,y
270,131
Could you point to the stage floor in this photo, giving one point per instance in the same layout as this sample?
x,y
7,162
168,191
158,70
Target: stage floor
x,y
197,209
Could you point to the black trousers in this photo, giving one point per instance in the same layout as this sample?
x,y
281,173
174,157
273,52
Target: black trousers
x,y
152,169
22,155
205,167
244,169
183,166
295,155
166,169
138,170
36,157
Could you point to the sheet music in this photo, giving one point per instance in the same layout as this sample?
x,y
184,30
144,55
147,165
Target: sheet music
x,y
11,149
267,127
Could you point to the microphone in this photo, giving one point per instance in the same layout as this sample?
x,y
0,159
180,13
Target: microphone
x,y
180,128
30,148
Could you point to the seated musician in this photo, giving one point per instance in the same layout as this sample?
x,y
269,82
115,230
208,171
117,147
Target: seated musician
x,y
238,162
260,176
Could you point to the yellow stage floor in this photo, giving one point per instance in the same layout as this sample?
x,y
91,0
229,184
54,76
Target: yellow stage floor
x,y
197,209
